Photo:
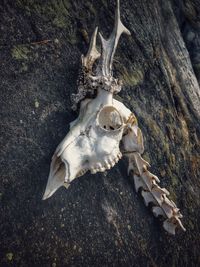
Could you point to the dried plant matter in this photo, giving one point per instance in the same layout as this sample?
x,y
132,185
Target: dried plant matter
x,y
105,130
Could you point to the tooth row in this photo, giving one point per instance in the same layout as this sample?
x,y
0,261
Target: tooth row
x,y
108,164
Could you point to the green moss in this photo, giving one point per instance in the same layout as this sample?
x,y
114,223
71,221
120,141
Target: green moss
x,y
59,22
172,159
61,10
172,192
9,256
57,11
166,148
146,157
155,129
132,77
20,52
172,184
174,180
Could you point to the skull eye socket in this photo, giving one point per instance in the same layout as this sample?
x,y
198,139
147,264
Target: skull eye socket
x,y
110,119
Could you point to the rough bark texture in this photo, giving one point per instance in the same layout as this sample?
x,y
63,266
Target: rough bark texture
x,y
99,220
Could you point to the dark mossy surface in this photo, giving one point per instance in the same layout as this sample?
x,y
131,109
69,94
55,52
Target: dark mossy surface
x,y
99,220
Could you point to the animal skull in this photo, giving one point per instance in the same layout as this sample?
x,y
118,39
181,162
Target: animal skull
x,y
95,137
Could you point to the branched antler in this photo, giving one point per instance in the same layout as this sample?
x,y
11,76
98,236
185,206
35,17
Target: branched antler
x,y
109,46
92,54
85,83
102,77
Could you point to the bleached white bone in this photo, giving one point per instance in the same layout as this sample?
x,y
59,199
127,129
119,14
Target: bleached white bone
x,y
109,46
104,129
92,54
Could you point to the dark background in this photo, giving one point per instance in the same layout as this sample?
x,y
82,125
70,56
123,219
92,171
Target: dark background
x,y
99,220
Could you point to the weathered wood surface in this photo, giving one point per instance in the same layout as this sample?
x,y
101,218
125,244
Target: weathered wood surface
x,y
99,220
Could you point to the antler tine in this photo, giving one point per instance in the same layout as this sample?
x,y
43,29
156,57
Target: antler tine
x,y
109,46
92,54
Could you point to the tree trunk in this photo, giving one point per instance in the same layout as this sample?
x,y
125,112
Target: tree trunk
x,y
99,220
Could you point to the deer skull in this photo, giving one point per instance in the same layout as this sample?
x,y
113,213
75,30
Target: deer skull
x,y
105,130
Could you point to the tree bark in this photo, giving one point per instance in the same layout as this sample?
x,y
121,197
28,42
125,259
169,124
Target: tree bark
x,y
99,220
